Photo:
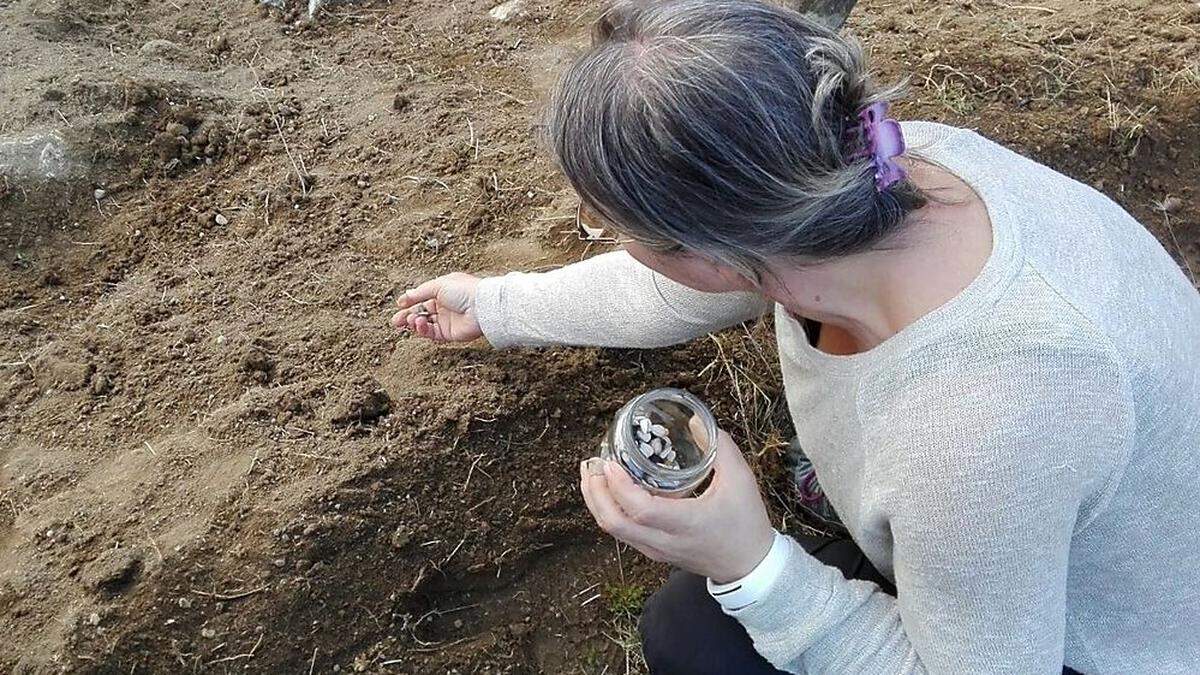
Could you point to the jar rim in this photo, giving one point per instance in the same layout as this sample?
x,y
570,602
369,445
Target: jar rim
x,y
692,402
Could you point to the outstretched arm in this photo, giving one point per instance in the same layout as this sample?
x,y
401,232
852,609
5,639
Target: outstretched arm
x,y
610,300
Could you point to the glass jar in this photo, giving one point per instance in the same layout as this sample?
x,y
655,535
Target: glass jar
x,y
670,413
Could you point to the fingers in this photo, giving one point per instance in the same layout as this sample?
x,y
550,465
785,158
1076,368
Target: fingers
x,y
423,326
426,291
698,429
729,457
410,316
637,504
730,470
609,515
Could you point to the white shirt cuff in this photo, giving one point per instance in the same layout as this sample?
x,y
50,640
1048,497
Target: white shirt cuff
x,y
740,594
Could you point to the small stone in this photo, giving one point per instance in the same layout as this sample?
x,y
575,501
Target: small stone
x,y
221,219
208,633
401,537
646,449
220,339
93,619
99,194
658,430
280,562
507,11
159,48
185,603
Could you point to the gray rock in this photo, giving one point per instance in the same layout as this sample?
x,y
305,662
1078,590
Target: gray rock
x,y
507,11
160,48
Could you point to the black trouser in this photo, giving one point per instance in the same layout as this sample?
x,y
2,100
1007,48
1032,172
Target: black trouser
x,y
716,643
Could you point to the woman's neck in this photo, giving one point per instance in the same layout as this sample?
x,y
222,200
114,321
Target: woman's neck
x,y
871,296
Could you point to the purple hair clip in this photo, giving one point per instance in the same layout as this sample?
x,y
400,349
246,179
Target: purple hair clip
x,y
883,141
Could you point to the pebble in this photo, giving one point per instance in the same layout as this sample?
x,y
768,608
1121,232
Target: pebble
x,y
99,194
507,11
159,47
221,219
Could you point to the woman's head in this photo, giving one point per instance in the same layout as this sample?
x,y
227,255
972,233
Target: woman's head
x,y
725,128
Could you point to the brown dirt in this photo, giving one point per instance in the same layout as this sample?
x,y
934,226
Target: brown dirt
x,y
214,453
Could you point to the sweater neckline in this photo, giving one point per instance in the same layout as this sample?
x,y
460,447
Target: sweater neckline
x,y
958,152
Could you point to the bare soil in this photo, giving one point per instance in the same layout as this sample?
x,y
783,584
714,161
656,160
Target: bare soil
x,y
216,456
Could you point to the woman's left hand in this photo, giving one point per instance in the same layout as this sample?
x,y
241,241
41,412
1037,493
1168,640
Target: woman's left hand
x,y
722,534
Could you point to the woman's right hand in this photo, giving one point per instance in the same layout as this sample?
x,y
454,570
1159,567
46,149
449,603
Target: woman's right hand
x,y
441,309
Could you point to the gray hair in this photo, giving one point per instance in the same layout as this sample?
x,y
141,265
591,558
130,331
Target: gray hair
x,y
727,128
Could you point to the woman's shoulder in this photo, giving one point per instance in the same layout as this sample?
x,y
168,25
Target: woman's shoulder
x,y
1030,339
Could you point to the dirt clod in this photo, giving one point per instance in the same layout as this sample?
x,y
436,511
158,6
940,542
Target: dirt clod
x,y
364,403
114,570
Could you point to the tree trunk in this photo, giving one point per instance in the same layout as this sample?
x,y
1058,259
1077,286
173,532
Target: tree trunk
x,y
832,13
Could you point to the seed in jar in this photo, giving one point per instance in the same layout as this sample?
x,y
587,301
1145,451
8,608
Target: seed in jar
x,y
657,446
669,457
643,424
643,436
658,430
646,450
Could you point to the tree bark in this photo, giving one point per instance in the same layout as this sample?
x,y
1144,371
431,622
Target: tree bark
x,y
832,13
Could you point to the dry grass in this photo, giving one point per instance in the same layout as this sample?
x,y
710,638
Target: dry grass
x,y
1127,125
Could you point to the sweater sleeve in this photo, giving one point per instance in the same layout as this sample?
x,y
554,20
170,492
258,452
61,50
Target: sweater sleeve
x,y
986,467
610,300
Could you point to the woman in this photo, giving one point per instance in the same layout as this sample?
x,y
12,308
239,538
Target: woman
x,y
994,369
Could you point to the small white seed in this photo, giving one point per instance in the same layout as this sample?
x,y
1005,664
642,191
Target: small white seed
x,y
657,446
658,430
643,436
644,424
646,450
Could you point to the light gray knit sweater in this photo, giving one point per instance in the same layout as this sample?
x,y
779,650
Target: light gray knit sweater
x,y
1024,461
